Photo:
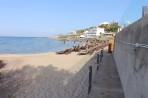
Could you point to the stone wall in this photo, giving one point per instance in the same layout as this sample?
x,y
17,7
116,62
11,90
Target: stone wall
x,y
132,61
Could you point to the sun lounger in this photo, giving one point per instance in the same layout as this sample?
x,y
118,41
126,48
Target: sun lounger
x,y
60,52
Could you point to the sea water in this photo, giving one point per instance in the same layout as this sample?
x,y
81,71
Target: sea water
x,y
31,45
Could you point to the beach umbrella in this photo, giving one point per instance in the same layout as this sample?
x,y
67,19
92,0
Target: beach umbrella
x,y
87,40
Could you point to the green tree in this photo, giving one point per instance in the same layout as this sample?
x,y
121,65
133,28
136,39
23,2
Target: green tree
x,y
113,27
103,26
79,31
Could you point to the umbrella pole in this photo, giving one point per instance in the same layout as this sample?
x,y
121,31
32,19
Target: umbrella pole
x,y
64,45
87,46
74,42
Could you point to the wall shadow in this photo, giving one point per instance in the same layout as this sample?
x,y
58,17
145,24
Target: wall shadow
x,y
43,82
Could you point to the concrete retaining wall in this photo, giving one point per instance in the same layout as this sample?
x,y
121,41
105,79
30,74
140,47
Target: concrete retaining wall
x,y
133,65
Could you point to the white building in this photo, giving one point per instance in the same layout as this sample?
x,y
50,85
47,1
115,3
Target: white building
x,y
91,33
100,31
120,28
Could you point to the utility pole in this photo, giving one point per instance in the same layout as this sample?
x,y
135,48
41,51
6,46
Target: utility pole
x,y
145,9
142,8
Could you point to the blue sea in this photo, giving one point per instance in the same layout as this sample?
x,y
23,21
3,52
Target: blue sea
x,y
32,45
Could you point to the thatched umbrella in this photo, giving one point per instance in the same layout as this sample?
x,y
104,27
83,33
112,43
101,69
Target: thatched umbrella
x,y
87,40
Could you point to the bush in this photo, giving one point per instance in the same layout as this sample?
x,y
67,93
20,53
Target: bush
x,y
100,36
79,31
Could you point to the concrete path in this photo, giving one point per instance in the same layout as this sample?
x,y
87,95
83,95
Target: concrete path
x,y
107,82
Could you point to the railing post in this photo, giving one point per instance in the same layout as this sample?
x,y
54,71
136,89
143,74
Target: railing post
x,y
90,79
101,55
98,61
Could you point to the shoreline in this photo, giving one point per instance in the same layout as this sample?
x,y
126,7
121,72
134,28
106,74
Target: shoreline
x,y
24,54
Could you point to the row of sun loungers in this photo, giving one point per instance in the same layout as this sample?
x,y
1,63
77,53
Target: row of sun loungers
x,y
90,49
67,51
74,49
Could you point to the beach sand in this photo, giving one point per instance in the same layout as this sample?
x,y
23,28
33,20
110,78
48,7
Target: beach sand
x,y
44,59
36,75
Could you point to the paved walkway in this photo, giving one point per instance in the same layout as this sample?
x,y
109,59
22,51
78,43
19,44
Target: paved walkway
x,y
107,82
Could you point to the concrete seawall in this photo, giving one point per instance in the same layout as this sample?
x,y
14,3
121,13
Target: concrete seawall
x,y
132,61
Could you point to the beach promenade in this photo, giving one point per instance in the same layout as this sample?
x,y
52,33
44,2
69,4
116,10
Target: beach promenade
x,y
107,82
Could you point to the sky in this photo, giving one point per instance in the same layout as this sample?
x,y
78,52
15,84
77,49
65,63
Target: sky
x,y
133,12
43,18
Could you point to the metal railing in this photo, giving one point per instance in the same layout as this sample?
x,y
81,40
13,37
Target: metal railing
x,y
137,45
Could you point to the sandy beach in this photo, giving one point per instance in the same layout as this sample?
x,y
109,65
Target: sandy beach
x,y
17,61
36,75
